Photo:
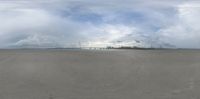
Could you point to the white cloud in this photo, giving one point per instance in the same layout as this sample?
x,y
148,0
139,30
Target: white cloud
x,y
39,28
50,23
185,32
37,25
108,34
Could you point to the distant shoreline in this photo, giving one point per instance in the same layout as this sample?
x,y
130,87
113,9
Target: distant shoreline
x,y
93,48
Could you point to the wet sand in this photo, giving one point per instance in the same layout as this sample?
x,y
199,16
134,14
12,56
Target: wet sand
x,y
106,74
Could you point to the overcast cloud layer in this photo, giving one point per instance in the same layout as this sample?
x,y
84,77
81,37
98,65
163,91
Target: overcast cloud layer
x,y
99,23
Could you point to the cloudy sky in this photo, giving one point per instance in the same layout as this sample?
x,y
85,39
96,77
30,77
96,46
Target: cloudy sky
x,y
99,23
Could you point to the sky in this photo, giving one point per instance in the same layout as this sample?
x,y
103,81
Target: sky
x,y
99,23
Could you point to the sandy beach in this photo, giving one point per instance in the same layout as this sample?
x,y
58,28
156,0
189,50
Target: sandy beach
x,y
105,74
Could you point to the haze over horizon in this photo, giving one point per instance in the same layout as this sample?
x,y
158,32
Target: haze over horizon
x,y
99,23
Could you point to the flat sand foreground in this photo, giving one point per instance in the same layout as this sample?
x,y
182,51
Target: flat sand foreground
x,y
112,74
